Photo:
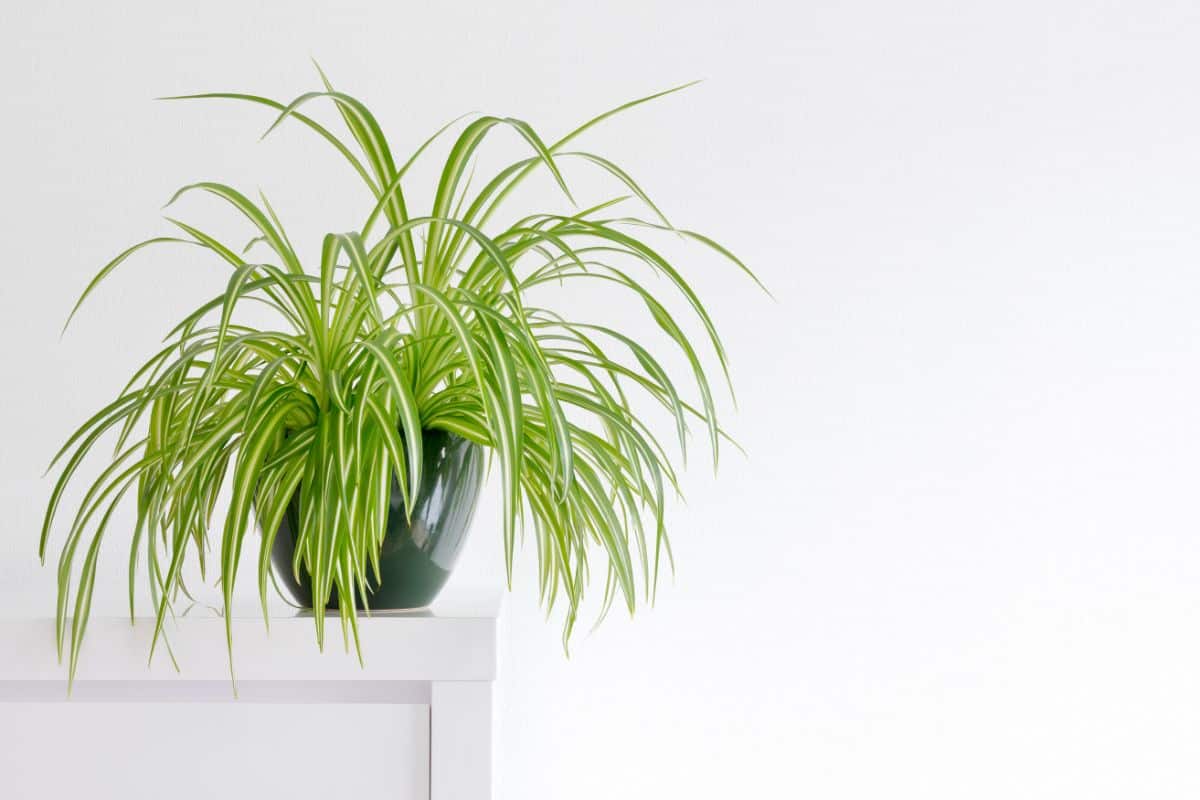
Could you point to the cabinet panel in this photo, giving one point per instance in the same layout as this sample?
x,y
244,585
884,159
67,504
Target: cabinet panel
x,y
199,751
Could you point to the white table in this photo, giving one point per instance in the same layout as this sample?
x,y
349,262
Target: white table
x,y
443,658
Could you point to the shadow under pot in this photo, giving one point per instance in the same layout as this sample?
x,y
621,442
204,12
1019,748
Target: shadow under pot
x,y
416,557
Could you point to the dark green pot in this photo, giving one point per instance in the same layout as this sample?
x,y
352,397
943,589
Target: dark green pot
x,y
416,558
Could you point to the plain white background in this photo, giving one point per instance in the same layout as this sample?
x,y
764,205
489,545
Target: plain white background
x,y
962,556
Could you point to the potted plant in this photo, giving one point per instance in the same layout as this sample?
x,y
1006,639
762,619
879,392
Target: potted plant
x,y
351,433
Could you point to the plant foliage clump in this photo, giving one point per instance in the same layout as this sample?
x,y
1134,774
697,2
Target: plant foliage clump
x,y
412,322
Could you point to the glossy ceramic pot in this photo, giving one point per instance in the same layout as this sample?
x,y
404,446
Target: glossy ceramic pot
x,y
416,557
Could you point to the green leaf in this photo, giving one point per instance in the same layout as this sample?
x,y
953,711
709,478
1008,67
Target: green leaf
x,y
410,419
112,265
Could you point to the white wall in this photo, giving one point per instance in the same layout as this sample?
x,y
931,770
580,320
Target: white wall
x,y
962,557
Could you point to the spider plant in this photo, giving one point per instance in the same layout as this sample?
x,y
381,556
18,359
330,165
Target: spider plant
x,y
410,323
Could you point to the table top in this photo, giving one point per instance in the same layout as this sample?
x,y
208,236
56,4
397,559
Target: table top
x,y
455,639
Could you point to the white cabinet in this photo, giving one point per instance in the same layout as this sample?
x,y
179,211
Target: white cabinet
x,y
414,722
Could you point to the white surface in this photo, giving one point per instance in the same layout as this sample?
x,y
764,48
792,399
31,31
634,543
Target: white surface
x,y
206,751
962,559
432,669
461,734
455,640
